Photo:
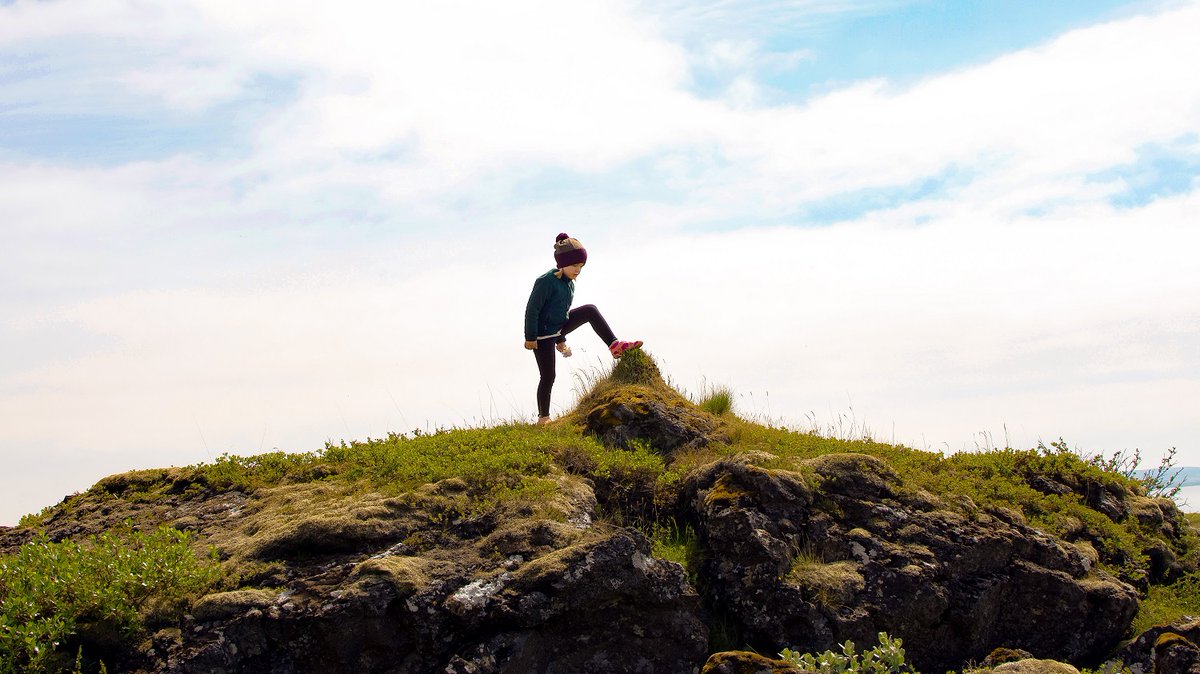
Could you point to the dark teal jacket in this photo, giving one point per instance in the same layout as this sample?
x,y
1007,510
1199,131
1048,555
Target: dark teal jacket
x,y
548,305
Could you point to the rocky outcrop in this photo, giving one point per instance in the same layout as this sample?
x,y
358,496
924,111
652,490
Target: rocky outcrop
x,y
1175,654
628,415
841,549
1158,516
326,578
598,606
634,405
336,581
1163,645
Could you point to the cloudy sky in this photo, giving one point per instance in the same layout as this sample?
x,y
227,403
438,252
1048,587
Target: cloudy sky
x,y
233,226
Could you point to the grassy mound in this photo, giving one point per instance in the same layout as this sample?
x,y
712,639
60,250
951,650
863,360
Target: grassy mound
x,y
418,486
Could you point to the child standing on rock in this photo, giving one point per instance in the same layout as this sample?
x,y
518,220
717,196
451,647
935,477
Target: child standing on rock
x,y
549,318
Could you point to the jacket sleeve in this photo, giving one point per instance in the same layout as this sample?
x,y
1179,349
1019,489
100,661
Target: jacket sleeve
x,y
537,298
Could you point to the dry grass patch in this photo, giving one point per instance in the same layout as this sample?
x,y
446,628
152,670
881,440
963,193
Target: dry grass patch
x,y
229,604
316,518
408,575
830,584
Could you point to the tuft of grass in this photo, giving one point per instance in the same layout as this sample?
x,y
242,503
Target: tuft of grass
x,y
637,367
52,595
717,401
676,543
829,583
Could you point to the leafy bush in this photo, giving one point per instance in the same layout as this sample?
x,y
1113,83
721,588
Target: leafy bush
x,y
50,592
230,471
886,658
1166,480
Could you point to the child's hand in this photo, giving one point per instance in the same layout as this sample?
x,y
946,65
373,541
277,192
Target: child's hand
x,y
531,345
563,349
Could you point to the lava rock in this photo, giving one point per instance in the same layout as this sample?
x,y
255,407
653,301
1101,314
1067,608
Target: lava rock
x,y
842,549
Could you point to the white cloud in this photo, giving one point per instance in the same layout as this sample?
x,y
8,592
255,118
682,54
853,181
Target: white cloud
x,y
1079,104
446,94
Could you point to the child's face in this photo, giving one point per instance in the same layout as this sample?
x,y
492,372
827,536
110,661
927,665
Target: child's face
x,y
572,271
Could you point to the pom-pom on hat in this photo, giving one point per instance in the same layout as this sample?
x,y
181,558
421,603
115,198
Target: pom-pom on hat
x,y
568,251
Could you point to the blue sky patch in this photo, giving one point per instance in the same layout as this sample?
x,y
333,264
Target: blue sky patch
x,y
854,205
103,140
908,41
1160,171
93,123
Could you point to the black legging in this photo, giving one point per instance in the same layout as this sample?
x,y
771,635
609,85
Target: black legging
x,y
544,353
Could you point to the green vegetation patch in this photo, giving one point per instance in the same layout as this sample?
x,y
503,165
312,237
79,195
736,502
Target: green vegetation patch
x,y
717,401
53,596
624,480
887,657
484,457
500,460
639,464
637,367
677,543
1166,604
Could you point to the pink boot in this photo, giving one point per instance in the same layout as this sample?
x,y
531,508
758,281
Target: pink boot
x,y
618,347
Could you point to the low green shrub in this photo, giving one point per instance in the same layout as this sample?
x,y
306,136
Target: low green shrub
x,y
886,658
639,464
480,456
246,473
51,593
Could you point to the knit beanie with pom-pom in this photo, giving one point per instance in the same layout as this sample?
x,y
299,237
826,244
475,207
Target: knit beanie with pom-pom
x,y
568,251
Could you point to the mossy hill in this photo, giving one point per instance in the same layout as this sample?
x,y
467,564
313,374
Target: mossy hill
x,y
642,532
